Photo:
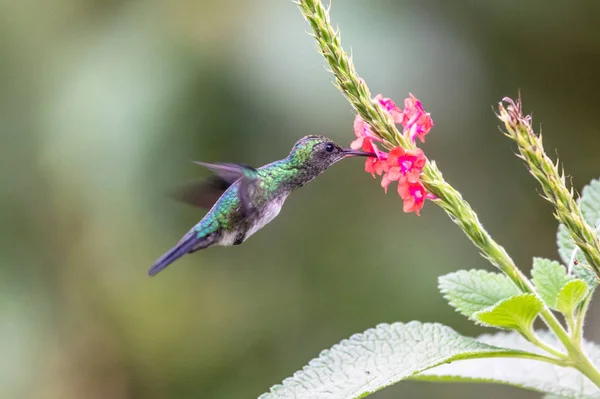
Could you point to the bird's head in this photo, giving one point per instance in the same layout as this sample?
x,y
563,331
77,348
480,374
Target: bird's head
x,y
317,153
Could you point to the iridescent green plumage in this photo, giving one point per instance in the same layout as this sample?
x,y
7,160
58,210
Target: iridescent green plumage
x,y
250,198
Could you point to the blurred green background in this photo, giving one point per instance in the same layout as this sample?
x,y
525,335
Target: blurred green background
x,y
104,103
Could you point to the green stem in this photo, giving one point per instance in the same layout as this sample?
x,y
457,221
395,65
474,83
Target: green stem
x,y
582,362
586,367
577,333
570,324
534,339
517,355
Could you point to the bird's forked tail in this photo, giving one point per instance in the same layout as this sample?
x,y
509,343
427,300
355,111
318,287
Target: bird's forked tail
x,y
189,243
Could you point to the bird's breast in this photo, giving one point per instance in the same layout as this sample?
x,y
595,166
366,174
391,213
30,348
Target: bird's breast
x,y
266,214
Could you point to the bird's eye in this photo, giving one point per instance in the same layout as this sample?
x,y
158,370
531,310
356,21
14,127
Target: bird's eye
x,y
329,147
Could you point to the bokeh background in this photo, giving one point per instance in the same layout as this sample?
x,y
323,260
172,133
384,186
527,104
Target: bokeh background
x,y
104,103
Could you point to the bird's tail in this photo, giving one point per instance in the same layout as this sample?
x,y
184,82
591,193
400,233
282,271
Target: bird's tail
x,y
189,243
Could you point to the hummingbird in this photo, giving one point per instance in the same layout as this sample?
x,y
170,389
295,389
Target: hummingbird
x,y
242,199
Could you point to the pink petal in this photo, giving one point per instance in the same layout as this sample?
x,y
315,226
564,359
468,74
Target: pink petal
x,y
390,106
357,144
385,182
394,174
359,126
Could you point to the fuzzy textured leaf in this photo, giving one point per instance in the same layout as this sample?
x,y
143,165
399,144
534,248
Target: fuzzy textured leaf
x,y
590,208
586,274
590,203
571,295
566,246
561,382
516,313
474,290
549,277
565,249
379,357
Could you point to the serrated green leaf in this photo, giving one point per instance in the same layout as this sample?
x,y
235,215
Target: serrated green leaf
x,y
586,274
590,203
379,357
566,246
571,295
565,250
563,382
471,291
516,313
549,277
590,208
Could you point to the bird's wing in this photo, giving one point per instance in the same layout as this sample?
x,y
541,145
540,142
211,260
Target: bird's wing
x,y
201,193
204,193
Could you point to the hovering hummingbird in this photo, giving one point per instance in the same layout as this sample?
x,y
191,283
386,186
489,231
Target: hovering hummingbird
x,y
242,200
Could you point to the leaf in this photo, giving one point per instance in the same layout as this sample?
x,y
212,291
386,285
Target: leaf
x,y
379,357
571,295
549,277
565,250
586,274
590,203
590,208
566,246
474,290
539,376
516,313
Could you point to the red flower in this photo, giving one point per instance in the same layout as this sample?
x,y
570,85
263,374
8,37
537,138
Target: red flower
x,y
363,133
409,163
403,166
416,122
390,176
391,107
374,165
413,195
364,140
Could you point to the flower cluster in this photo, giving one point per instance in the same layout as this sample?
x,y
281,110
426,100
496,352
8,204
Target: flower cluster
x,y
401,165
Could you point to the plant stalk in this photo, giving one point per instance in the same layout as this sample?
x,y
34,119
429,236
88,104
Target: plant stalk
x,y
577,333
586,368
531,150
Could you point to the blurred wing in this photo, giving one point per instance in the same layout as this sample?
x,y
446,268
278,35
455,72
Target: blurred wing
x,y
201,193
205,193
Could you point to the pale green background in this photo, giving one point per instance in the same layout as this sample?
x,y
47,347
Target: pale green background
x,y
103,104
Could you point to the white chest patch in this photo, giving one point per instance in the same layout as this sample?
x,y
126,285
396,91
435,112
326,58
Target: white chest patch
x,y
268,213
228,238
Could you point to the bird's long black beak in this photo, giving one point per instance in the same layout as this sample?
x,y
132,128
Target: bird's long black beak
x,y
349,152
